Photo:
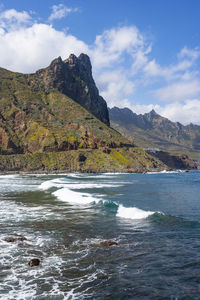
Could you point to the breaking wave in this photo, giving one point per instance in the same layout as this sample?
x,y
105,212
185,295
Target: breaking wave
x,y
66,191
67,195
133,213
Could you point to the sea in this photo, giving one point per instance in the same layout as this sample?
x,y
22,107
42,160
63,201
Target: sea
x,y
66,221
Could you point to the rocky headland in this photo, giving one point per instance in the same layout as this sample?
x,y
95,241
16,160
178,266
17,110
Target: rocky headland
x,y
55,120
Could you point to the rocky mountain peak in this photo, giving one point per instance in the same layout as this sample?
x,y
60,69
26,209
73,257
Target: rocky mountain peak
x,y
73,77
153,114
71,60
85,61
57,61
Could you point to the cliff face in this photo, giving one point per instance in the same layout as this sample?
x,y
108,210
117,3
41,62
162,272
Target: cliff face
x,y
73,77
181,162
43,129
154,131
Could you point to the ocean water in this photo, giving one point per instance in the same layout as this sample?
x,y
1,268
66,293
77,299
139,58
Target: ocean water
x,y
153,218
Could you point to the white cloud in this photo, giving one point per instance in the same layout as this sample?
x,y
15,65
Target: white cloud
x,y
191,53
115,87
108,54
185,112
60,11
186,60
31,48
10,19
113,44
179,91
152,68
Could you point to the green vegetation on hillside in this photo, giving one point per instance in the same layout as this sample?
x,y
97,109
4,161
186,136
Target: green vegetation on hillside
x,y
44,130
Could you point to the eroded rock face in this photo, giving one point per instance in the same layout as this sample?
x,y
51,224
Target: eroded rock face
x,y
4,139
176,161
73,77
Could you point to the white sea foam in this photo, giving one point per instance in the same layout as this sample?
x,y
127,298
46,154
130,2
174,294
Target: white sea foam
x,y
95,175
17,183
62,182
67,195
46,185
13,213
8,176
133,213
166,172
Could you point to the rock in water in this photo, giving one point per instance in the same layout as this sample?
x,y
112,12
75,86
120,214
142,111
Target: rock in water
x,y
108,243
10,240
34,262
16,238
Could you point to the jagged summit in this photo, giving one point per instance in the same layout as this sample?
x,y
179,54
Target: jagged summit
x,y
153,112
83,59
152,115
73,77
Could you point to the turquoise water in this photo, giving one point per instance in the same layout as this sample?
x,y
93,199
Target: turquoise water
x,y
153,218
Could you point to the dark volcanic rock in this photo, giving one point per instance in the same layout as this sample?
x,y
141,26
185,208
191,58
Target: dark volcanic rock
x,y
108,243
16,238
73,77
34,262
10,240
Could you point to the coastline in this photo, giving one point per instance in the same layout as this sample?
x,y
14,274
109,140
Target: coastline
x,y
116,160
165,171
128,160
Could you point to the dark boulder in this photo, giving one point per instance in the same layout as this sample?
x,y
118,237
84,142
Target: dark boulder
x,y
10,240
15,238
34,262
108,243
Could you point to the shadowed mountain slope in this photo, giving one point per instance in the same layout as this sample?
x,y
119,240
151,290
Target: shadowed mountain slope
x,y
154,131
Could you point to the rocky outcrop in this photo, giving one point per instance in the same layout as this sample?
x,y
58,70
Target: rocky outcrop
x,y
15,238
42,129
73,77
108,243
178,161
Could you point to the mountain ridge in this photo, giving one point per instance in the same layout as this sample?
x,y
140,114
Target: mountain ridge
x,y
153,130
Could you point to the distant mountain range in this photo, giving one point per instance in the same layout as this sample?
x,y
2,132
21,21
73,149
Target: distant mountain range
x,y
151,130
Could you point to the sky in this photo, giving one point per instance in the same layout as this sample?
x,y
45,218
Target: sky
x,y
145,54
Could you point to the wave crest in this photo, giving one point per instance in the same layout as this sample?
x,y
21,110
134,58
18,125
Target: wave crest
x,y
133,213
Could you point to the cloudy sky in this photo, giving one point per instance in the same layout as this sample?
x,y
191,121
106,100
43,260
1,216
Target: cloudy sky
x,y
145,53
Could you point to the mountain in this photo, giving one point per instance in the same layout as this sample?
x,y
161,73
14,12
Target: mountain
x,y
55,120
72,77
154,131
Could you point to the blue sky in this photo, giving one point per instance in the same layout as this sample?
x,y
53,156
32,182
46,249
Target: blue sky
x,y
145,53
